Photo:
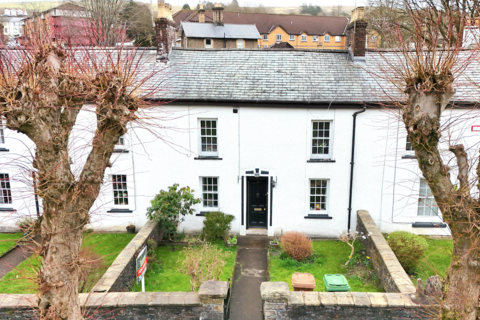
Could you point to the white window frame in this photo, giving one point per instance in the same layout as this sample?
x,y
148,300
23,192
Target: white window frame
x,y
326,38
121,142
114,189
408,146
5,189
304,38
338,39
200,136
265,37
240,44
291,37
208,46
265,46
278,37
315,135
315,211
428,207
315,38
213,192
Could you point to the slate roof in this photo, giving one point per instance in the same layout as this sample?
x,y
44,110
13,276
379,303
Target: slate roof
x,y
265,23
228,31
285,76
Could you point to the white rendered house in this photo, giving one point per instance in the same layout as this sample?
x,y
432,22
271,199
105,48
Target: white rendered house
x,y
265,136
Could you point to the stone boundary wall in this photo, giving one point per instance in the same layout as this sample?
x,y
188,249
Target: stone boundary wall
x,y
281,304
390,272
207,303
121,274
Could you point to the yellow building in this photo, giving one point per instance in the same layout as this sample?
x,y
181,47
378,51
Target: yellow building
x,y
300,31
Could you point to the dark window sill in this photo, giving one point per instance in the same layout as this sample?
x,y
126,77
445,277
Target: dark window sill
x,y
408,156
321,160
120,151
7,209
207,158
317,216
429,225
201,214
120,211
4,150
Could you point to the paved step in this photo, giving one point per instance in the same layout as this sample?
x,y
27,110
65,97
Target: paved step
x,y
250,271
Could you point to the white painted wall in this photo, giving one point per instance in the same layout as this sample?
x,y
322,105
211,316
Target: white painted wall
x,y
276,140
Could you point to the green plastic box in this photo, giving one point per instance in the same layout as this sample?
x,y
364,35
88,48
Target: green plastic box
x,y
336,283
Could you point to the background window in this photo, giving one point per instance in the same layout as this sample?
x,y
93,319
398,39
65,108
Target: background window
x,y
320,138
210,192
208,43
279,37
265,37
5,190
2,131
408,146
318,195
120,193
292,38
121,141
326,38
208,137
426,203
315,38
338,39
240,43
304,37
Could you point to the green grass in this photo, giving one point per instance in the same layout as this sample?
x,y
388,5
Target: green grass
x,y
107,245
332,255
164,276
8,240
436,260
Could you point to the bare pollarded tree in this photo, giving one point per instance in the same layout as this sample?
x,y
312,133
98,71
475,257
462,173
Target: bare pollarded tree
x,y
428,59
43,88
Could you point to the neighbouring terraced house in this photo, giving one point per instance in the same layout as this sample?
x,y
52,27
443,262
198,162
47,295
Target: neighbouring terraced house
x,y
300,31
272,137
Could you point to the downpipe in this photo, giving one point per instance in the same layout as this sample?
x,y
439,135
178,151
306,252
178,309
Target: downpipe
x,y
352,163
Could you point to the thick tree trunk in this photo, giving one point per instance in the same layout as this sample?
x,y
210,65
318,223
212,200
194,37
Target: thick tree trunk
x,y
461,288
62,239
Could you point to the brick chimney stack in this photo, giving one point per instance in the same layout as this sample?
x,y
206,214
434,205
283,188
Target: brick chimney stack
x,y
201,14
164,30
357,35
218,14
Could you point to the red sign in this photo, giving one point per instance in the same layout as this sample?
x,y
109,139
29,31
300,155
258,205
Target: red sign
x,y
475,128
140,271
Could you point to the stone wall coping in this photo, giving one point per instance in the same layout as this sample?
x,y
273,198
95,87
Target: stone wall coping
x,y
399,276
348,299
110,300
115,270
275,291
213,290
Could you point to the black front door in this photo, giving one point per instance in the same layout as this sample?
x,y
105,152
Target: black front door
x,y
257,192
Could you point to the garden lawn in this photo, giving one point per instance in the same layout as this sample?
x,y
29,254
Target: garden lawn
x,y
8,240
165,275
107,245
436,260
332,255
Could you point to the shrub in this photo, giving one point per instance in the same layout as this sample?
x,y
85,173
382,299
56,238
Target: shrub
x,y
216,225
297,245
408,247
170,207
204,263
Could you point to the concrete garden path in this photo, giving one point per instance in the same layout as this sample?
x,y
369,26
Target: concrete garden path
x,y
13,258
251,270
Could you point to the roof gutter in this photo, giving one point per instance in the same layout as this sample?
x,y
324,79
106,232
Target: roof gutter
x,y
352,163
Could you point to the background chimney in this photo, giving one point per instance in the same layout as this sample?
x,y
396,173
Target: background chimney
x,y
164,30
201,14
357,35
218,14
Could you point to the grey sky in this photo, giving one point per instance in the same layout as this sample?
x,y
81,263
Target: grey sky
x,y
269,3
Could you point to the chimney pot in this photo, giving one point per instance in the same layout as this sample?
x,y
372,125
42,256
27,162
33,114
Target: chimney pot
x,y
218,14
